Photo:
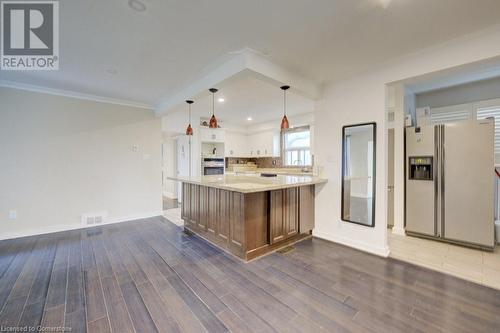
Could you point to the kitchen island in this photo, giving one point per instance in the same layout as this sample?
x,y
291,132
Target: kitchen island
x,y
249,216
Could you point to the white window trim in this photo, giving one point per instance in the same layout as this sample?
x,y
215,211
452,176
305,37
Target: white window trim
x,y
283,150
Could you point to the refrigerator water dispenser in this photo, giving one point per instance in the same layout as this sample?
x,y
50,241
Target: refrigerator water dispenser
x,y
420,168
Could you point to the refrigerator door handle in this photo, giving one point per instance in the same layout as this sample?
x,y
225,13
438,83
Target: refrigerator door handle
x,y
443,161
436,178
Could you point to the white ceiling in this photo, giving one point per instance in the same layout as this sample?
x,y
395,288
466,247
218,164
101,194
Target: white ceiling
x,y
246,95
159,51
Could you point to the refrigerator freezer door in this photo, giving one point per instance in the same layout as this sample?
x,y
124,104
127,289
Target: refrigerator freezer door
x,y
420,194
469,182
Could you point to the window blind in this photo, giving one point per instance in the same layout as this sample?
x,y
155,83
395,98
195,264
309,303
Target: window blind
x,y
492,112
448,116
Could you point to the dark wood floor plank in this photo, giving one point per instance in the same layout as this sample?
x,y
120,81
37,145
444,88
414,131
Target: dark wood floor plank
x,y
149,276
94,297
159,311
53,317
15,268
99,326
247,315
56,294
75,312
212,301
206,317
32,314
141,319
18,297
233,322
183,314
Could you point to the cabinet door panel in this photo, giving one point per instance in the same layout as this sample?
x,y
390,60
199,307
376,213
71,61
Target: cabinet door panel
x,y
213,208
203,210
186,197
224,215
291,220
277,216
306,209
195,204
237,222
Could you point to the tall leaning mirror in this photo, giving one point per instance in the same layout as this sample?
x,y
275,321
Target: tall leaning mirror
x,y
358,173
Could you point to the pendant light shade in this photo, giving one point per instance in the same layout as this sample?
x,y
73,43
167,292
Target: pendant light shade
x,y
189,129
213,120
284,122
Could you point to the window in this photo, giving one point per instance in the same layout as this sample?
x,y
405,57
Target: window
x,y
478,110
450,114
297,146
492,111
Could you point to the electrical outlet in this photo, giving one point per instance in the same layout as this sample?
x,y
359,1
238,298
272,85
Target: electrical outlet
x,y
135,148
13,215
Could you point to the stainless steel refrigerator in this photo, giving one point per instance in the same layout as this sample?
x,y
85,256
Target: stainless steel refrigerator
x,y
450,182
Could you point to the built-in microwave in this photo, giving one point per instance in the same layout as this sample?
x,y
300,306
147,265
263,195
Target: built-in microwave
x,y
213,166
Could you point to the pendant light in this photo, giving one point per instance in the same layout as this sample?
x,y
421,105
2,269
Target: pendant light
x,y
189,129
284,122
213,120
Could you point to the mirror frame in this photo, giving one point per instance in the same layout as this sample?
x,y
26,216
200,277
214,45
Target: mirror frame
x,y
374,124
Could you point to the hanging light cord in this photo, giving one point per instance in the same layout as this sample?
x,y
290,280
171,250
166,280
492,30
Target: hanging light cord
x,y
189,114
213,104
284,102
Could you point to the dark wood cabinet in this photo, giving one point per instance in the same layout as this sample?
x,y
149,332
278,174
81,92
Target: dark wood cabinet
x,y
284,214
213,210
222,222
306,209
247,224
277,216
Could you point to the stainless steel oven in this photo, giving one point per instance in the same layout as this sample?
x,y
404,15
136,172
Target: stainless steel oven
x,y
213,166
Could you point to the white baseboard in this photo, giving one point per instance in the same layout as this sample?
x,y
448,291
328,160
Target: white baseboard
x,y
362,246
75,226
398,231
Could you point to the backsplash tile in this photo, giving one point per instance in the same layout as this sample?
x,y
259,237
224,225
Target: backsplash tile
x,y
261,162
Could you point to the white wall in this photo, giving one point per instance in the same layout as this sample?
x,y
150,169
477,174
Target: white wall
x,y
62,157
462,94
169,166
362,99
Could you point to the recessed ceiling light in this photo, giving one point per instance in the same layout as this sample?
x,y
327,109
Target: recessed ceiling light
x,y
249,118
221,100
137,5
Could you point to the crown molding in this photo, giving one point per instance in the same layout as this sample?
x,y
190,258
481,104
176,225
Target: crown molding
x,y
72,94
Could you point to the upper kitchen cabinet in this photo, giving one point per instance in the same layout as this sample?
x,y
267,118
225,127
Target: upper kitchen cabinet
x,y
236,145
212,135
264,144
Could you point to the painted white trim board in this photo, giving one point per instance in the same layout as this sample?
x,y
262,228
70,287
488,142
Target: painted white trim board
x,y
67,227
72,94
362,246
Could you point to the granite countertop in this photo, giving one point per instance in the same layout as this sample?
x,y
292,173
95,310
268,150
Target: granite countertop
x,y
250,183
278,171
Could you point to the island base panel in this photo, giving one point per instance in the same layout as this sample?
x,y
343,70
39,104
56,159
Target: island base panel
x,y
248,225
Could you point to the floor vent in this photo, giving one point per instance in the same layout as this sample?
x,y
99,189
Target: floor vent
x,y
286,250
93,219
187,232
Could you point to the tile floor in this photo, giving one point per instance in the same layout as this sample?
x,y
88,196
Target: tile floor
x,y
174,216
478,266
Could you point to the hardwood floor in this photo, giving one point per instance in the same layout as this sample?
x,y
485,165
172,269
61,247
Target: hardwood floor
x,y
148,276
